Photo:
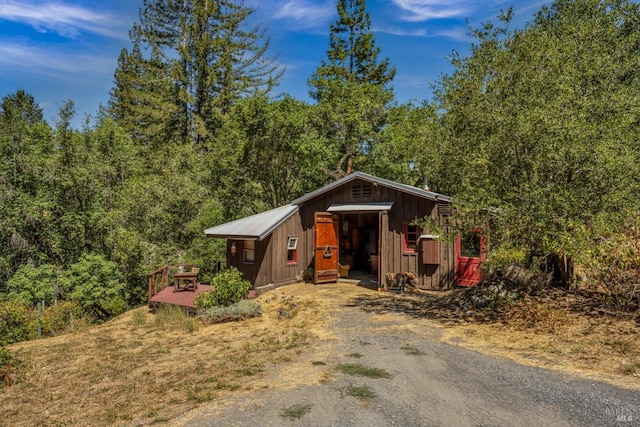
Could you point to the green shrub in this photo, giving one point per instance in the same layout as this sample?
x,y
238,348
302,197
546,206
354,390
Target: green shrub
x,y
30,285
241,310
14,322
614,265
9,367
6,359
501,258
56,319
96,284
228,288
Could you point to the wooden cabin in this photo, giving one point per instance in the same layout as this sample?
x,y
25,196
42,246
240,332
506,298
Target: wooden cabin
x,y
357,225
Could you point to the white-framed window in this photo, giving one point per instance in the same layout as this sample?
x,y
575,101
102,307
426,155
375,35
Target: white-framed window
x,y
292,250
249,251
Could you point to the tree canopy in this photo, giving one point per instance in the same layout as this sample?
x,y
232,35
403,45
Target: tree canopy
x,y
203,58
352,87
541,124
536,131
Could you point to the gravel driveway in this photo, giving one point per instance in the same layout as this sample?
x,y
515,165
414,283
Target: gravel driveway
x,y
430,384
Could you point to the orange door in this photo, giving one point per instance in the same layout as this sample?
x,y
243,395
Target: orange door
x,y
469,258
326,248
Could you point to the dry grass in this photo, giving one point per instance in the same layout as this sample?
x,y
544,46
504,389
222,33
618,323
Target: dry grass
x,y
149,368
564,331
144,367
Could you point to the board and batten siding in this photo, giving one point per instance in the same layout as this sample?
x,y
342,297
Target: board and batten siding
x,y
270,264
406,208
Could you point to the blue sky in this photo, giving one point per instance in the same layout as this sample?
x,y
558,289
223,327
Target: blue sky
x,y
68,49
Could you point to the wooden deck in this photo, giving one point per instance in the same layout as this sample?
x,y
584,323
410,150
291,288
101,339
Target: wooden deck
x,y
183,298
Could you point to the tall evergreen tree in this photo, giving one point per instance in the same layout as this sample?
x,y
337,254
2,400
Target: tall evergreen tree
x,y
352,54
212,58
352,86
142,100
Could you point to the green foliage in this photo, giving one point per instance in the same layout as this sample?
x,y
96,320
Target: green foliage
x,y
205,252
409,147
228,288
95,283
31,285
352,54
142,99
25,148
614,266
173,317
9,368
540,123
279,152
350,119
352,88
14,322
357,369
296,411
57,319
241,310
7,359
501,258
205,59
363,392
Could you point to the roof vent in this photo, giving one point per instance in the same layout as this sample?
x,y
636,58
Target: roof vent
x,y
361,190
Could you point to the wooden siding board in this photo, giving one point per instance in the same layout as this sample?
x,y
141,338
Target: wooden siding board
x,y
384,248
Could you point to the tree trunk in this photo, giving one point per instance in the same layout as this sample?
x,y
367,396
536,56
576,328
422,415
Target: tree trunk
x,y
562,270
350,164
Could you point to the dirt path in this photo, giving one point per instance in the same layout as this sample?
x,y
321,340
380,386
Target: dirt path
x,y
430,384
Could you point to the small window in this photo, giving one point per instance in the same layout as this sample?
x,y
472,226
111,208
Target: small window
x,y
470,245
411,234
249,251
292,250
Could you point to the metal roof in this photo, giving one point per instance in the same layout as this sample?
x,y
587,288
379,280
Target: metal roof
x,y
375,180
360,207
254,227
259,226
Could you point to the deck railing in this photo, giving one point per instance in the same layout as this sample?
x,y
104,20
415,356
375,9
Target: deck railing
x,y
158,280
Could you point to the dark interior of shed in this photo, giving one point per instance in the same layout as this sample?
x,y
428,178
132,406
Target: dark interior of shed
x,y
359,241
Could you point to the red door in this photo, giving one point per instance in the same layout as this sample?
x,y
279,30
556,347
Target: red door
x,y
469,257
326,248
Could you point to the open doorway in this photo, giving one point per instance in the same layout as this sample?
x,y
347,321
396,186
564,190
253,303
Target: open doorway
x,y
360,244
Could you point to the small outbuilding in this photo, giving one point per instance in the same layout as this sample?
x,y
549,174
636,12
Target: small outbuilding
x,y
358,225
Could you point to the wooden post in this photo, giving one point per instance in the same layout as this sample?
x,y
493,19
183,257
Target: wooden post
x,y
39,305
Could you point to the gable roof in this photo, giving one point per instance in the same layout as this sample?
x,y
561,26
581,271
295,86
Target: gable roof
x,y
374,180
259,226
253,227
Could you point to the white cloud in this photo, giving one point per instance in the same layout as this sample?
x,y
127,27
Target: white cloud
x,y
460,34
455,33
63,19
45,61
304,13
424,10
401,31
